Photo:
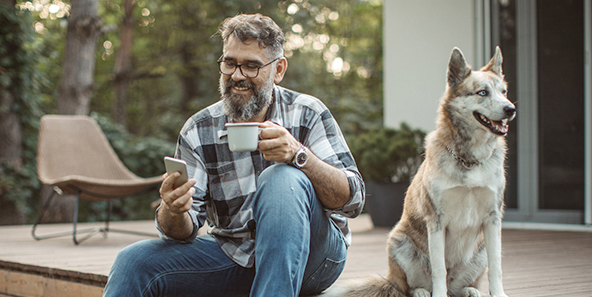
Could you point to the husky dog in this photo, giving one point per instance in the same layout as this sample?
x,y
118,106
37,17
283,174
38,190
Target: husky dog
x,y
450,229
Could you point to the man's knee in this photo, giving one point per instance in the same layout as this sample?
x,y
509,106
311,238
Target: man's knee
x,y
284,180
282,184
133,257
281,173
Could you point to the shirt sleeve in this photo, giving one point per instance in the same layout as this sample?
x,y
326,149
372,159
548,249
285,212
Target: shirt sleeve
x,y
186,144
327,142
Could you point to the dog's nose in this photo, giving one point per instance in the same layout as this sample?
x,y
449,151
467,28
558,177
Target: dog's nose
x,y
510,111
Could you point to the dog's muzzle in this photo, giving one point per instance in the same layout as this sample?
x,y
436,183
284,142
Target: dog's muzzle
x,y
497,127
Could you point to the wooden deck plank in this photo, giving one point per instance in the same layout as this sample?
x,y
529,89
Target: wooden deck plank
x,y
95,255
535,263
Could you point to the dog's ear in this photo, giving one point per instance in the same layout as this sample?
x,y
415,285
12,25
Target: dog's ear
x,y
458,69
495,65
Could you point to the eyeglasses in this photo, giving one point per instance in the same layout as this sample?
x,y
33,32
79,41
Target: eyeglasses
x,y
248,70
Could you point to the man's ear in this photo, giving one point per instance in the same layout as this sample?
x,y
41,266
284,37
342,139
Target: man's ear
x,y
280,70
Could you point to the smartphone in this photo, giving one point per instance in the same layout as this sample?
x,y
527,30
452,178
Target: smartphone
x,y
173,165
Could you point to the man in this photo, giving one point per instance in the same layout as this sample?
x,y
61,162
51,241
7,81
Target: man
x,y
277,214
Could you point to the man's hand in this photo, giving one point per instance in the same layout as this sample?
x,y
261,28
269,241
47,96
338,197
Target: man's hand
x,y
277,144
179,200
173,216
330,183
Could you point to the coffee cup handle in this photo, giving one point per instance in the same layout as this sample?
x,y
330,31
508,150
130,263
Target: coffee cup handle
x,y
258,134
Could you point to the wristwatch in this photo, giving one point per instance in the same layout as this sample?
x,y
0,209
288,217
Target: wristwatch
x,y
300,158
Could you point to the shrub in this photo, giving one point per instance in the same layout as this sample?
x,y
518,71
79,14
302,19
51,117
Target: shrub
x,y
388,155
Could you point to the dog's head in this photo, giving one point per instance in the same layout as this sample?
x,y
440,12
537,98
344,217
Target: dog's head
x,y
479,98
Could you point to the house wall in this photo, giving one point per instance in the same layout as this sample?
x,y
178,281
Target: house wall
x,y
419,36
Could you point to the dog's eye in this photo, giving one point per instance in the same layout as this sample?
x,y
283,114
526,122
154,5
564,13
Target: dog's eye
x,y
483,93
504,92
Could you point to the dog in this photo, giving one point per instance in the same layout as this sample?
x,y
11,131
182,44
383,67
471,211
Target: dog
x,y
450,229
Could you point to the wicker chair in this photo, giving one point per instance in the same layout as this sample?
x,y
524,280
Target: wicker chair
x,y
74,157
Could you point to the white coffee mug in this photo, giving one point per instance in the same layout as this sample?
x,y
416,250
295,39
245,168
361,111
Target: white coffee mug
x,y
243,137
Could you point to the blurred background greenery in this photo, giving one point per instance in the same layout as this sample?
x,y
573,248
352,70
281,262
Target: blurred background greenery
x,y
334,50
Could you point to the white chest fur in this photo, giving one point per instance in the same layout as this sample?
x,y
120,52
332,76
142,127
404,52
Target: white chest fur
x,y
464,207
463,211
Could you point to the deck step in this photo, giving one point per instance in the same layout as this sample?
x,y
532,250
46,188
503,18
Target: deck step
x,y
31,281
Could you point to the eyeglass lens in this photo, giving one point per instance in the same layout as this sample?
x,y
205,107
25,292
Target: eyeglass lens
x,y
228,68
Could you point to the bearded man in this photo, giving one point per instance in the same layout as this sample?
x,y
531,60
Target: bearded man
x,y
278,215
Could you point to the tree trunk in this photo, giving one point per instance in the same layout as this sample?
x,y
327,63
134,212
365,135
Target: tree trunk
x,y
76,85
123,64
189,86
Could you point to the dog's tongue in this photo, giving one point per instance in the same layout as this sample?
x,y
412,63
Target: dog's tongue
x,y
499,125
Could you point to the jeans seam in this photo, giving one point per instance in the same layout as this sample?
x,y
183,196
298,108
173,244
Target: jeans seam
x,y
326,274
163,274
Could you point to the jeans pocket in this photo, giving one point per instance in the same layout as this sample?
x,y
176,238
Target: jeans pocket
x,y
323,277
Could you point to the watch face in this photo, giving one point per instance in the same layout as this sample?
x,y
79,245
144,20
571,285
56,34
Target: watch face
x,y
301,159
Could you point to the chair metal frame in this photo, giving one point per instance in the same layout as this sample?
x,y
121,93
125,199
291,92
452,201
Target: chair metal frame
x,y
75,231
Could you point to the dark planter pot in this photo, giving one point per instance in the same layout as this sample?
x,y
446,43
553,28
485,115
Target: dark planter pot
x,y
384,202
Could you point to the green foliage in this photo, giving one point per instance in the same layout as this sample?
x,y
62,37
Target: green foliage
x,y
20,80
142,155
386,154
355,96
175,51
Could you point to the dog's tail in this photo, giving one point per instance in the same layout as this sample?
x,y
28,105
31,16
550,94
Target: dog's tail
x,y
375,286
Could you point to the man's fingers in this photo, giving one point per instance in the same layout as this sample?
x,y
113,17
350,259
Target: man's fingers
x,y
182,189
268,124
178,200
183,203
167,183
273,131
277,144
189,202
276,150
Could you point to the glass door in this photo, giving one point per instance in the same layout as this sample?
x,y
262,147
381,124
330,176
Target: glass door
x,y
543,44
560,52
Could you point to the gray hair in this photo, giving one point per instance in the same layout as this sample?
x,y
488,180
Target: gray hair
x,y
262,28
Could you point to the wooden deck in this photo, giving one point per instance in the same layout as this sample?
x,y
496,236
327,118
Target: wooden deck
x,y
535,263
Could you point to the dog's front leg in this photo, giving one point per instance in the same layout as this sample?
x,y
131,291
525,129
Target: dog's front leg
x,y
436,244
493,243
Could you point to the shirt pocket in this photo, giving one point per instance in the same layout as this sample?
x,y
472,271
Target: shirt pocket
x,y
218,174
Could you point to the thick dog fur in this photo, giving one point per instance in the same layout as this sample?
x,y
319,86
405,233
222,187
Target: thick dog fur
x,y
451,224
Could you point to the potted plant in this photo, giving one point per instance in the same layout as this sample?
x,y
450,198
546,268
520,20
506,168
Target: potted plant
x,y
387,159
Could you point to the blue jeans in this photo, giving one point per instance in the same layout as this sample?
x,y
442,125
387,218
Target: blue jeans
x,y
298,250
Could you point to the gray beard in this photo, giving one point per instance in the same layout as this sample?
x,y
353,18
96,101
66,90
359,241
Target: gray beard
x,y
234,106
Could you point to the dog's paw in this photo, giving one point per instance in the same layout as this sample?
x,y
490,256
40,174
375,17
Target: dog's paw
x,y
500,295
419,292
470,292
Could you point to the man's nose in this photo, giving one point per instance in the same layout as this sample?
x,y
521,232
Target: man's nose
x,y
237,75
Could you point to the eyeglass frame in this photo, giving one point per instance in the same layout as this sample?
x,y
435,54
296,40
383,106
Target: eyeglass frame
x,y
239,66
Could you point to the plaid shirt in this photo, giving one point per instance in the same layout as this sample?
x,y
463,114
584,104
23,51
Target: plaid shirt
x,y
226,180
